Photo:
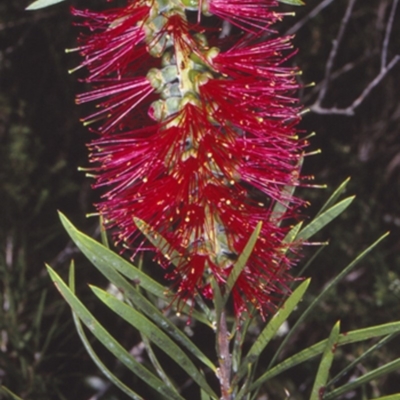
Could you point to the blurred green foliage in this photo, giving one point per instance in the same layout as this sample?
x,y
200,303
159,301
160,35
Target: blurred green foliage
x,y
42,143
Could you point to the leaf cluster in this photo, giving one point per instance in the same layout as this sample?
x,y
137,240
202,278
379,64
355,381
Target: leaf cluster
x,y
138,303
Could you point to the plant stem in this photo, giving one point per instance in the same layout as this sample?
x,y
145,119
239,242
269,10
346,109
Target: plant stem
x,y
224,357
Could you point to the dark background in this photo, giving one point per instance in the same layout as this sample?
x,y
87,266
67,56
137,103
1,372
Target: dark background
x,y
42,143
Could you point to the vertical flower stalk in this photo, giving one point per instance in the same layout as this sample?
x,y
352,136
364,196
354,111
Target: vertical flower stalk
x,y
197,137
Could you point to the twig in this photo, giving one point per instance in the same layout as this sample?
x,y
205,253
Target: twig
x,y
338,73
388,32
384,69
334,51
296,27
225,360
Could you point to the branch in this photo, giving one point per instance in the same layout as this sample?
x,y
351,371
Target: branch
x,y
296,27
329,76
334,51
388,33
225,359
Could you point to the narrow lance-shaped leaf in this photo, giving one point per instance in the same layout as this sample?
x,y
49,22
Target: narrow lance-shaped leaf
x,y
173,256
109,265
99,255
365,378
204,395
38,318
364,355
9,393
280,207
291,235
103,233
241,262
159,242
107,262
325,291
36,5
272,327
312,351
390,397
107,373
325,364
239,331
319,222
334,196
156,363
153,333
108,341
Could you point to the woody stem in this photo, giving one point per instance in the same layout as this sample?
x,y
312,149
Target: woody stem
x,y
225,358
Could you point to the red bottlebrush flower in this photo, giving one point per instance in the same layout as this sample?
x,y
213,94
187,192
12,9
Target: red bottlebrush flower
x,y
213,155
189,183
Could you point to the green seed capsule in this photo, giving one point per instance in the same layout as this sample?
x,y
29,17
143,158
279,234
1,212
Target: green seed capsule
x,y
171,90
168,58
155,78
162,109
169,73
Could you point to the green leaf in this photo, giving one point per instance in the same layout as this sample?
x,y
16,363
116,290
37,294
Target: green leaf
x,y
38,318
325,364
293,2
291,235
365,378
102,257
312,351
281,207
204,395
332,199
325,291
103,233
108,264
173,256
241,262
270,330
366,353
36,5
156,315
108,341
158,337
319,222
239,331
156,364
159,242
395,396
9,393
107,373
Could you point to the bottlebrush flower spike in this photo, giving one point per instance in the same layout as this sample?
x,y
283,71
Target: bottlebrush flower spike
x,y
198,142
